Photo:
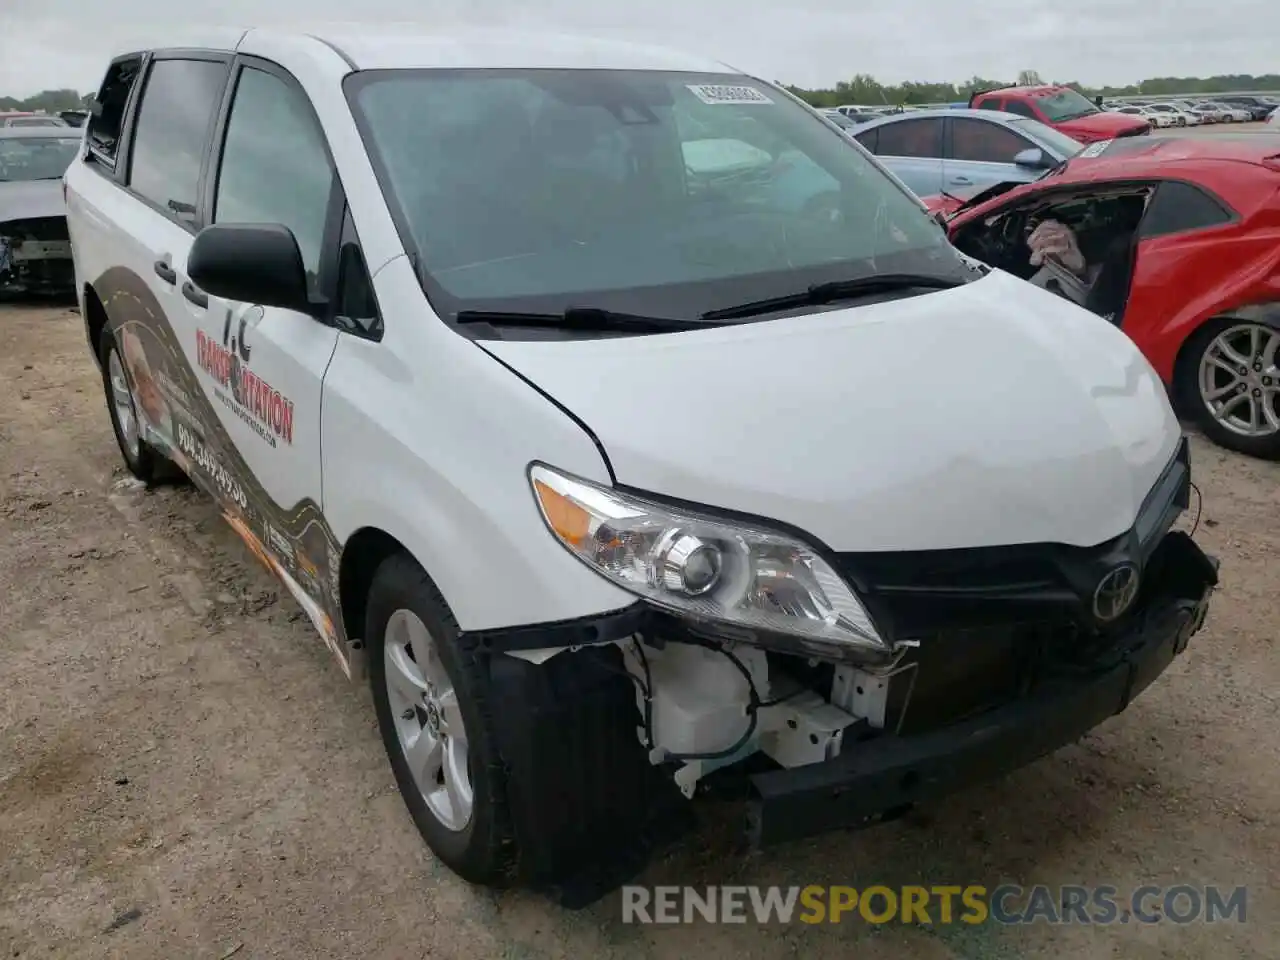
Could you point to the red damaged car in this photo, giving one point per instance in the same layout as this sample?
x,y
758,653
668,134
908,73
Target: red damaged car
x,y
1175,241
1064,109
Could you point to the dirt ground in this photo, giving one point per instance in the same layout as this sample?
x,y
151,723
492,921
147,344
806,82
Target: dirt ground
x,y
185,773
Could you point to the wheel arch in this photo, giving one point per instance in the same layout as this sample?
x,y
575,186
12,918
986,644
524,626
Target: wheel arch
x,y
1268,313
363,553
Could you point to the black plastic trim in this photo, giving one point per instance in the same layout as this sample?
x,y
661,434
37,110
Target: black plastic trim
x,y
583,631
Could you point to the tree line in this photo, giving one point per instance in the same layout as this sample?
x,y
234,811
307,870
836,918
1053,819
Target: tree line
x,y
863,88
48,101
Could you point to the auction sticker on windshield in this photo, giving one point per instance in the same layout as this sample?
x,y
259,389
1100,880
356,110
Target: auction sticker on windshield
x,y
715,93
1093,150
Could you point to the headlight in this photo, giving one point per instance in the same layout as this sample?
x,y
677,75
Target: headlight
x,y
704,568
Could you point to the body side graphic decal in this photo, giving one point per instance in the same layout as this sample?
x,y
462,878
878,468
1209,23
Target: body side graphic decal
x,y
295,542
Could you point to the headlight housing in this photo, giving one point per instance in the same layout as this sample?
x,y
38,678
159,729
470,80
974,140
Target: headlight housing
x,y
705,568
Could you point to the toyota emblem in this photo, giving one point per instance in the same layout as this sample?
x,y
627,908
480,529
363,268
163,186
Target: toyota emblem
x,y
1115,593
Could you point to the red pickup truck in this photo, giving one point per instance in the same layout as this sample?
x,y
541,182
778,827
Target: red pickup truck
x,y
1062,108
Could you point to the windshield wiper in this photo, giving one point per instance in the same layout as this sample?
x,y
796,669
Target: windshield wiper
x,y
835,291
581,318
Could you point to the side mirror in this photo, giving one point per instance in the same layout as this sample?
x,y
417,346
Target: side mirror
x,y
251,263
1033,157
941,219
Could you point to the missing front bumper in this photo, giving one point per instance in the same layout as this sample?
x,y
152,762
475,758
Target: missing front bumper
x,y
879,777
35,257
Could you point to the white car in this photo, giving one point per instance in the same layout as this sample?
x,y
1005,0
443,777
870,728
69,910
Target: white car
x,y
1231,114
1158,118
604,482
1180,119
1273,120
1210,113
1194,117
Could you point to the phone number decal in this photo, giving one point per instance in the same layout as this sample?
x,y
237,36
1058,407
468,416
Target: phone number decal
x,y
205,459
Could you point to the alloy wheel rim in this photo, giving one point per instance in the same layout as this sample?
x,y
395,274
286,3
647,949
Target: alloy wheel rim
x,y
1239,380
123,406
428,721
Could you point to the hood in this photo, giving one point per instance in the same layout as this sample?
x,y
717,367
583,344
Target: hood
x,y
1102,126
28,199
992,414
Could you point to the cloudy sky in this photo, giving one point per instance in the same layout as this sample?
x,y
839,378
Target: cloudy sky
x,y
56,43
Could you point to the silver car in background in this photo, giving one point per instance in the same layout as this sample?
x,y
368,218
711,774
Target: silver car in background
x,y
35,251
941,151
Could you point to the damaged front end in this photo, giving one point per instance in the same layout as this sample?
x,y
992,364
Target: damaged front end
x,y
839,688
35,257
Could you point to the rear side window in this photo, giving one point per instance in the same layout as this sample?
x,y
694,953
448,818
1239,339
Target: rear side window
x,y
172,132
1020,108
1179,207
106,122
911,138
275,167
869,138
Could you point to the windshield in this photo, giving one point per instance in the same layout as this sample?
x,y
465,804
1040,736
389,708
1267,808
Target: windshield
x,y
665,194
1059,143
1065,104
36,158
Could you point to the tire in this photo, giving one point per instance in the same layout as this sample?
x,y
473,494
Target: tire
x,y
142,460
1204,364
402,599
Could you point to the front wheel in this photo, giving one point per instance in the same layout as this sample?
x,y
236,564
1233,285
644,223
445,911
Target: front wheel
x,y
430,694
1231,381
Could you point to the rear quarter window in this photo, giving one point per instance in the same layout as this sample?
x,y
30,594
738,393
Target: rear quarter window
x,y
106,121
1179,207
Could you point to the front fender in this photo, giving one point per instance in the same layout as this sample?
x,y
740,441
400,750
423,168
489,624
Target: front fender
x,y
427,437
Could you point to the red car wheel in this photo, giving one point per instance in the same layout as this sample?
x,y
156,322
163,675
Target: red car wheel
x,y
1231,377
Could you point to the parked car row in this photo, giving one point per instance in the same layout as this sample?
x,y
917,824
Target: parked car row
x,y
1190,112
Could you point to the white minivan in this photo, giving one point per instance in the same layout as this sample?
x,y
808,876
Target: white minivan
x,y
621,476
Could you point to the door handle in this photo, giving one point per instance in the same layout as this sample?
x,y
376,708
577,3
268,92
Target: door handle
x,y
195,294
963,181
166,272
